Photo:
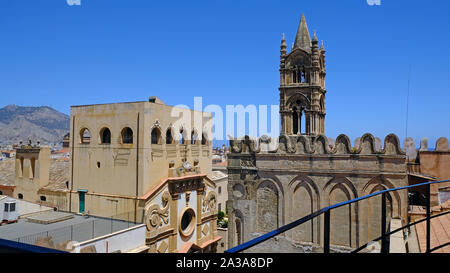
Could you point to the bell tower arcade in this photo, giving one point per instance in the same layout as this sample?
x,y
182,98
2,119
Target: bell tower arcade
x,y
302,85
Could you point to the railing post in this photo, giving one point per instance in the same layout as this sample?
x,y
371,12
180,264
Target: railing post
x,y
326,233
383,224
428,217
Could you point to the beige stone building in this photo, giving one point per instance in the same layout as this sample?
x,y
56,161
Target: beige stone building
x,y
38,178
220,178
149,162
425,165
273,182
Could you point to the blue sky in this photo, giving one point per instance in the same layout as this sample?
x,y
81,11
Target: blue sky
x,y
227,51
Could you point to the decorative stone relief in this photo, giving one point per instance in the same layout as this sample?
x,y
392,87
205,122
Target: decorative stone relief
x,y
209,202
238,191
205,229
121,156
162,248
177,187
366,145
157,216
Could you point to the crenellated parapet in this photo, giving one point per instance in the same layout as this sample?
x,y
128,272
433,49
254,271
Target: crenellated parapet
x,y
413,152
316,145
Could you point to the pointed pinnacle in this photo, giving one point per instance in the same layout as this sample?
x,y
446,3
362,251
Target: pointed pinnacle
x,y
303,40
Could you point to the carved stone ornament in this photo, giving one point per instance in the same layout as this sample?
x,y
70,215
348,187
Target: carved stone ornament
x,y
155,216
178,187
209,203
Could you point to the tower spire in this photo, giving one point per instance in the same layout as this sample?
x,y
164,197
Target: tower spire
x,y
283,52
303,39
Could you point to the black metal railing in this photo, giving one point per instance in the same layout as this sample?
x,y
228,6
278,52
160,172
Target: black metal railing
x,y
95,227
326,211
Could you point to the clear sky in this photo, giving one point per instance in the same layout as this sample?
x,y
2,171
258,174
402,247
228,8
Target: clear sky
x,y
227,51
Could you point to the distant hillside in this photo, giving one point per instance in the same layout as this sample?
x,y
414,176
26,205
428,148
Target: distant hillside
x,y
42,124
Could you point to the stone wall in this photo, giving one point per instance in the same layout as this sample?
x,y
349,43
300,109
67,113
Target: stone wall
x,y
430,163
273,182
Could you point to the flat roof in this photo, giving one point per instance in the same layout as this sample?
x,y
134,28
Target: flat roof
x,y
78,228
95,104
134,102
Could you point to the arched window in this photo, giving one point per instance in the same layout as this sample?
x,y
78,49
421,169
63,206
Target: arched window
x,y
85,136
169,137
156,136
20,196
105,136
295,127
181,136
204,139
127,136
193,137
238,231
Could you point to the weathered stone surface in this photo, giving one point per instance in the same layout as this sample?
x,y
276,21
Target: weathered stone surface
x,y
331,143
378,144
309,171
357,142
442,145
424,144
267,207
299,180
409,147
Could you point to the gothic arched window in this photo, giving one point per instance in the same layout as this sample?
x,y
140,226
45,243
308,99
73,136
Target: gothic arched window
x,y
295,127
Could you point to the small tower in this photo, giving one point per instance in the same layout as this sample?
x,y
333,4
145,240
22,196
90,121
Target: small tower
x,y
302,85
32,171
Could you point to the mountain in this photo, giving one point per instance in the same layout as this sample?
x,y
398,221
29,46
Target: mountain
x,y
44,124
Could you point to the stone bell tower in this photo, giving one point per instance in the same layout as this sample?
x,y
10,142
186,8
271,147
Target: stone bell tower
x,y
302,85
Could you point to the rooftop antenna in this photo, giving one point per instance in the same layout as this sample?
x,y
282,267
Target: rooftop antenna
x,y
407,101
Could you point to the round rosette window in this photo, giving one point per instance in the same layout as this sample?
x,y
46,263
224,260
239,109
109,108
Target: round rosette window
x,y
187,222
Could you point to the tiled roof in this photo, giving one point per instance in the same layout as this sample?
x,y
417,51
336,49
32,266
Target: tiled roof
x,y
439,235
59,174
440,227
7,169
